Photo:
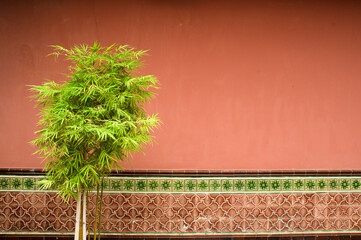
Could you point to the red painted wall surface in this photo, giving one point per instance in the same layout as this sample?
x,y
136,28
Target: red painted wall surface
x,y
245,84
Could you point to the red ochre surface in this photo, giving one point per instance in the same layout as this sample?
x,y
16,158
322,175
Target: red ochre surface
x,y
244,84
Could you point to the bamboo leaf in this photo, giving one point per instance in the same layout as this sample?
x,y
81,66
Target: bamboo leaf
x,y
95,118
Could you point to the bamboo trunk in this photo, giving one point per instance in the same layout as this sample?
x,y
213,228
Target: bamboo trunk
x,y
77,218
100,207
81,230
96,213
84,216
87,212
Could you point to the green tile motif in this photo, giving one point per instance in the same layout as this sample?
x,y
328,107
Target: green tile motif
x,y
178,185
215,185
356,184
275,185
321,184
4,183
251,185
333,184
227,185
29,183
141,185
115,185
15,183
299,184
239,185
128,185
191,185
345,184
153,185
310,184
287,185
165,185
203,184
264,185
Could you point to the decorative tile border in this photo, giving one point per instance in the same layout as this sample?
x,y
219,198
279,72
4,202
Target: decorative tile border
x,y
136,205
202,184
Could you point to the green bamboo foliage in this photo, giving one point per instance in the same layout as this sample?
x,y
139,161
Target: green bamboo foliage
x,y
95,118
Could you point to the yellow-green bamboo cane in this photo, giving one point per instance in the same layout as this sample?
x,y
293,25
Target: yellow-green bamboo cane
x,y
77,217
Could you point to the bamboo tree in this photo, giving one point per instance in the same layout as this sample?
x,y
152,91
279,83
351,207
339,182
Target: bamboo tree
x,y
92,121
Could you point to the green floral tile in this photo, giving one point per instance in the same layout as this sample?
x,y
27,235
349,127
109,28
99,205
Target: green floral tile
x,y
311,184
299,184
239,185
215,185
227,185
190,185
16,183
287,185
178,185
29,183
275,184
140,185
251,185
356,184
333,184
264,184
153,185
203,185
166,185
321,184
345,184
128,185
5,183
115,185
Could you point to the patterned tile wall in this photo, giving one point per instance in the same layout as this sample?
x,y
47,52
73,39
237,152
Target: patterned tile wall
x,y
200,206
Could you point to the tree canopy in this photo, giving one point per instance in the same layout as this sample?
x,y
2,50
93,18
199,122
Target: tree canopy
x,y
95,118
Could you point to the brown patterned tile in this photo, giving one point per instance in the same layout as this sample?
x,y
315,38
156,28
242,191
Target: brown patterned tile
x,y
189,206
175,207
187,213
219,212
262,206
182,213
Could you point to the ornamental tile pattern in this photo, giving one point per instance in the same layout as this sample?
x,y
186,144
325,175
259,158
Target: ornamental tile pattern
x,y
203,184
192,206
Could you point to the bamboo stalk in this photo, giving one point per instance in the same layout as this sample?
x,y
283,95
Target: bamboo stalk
x,y
77,217
87,209
81,230
101,204
96,213
84,216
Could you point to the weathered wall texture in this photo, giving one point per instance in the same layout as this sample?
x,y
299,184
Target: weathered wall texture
x,y
245,84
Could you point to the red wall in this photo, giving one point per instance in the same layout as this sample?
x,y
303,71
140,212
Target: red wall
x,y
245,84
